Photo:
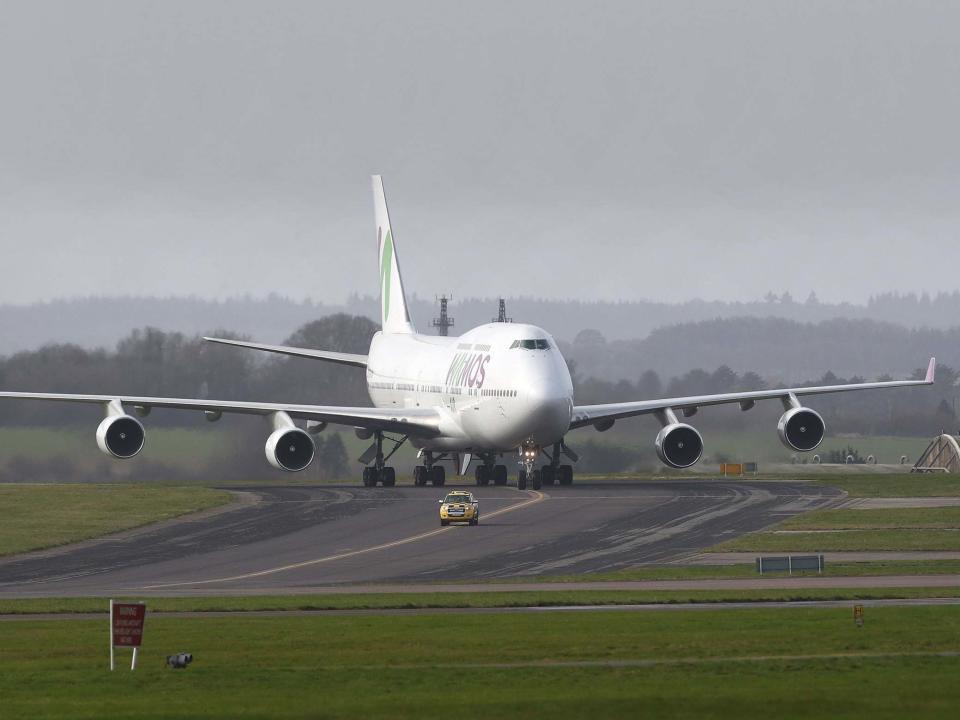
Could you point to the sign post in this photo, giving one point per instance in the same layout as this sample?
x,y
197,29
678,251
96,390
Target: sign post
x,y
126,628
858,615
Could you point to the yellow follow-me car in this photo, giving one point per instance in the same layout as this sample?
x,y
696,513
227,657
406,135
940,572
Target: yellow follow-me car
x,y
459,506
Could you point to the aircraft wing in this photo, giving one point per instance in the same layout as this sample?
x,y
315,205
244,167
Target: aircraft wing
x,y
584,415
409,421
329,356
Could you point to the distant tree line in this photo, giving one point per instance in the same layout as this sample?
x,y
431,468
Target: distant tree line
x,y
155,363
776,349
103,321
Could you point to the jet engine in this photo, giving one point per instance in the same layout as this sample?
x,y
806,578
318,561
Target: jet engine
x,y
801,429
120,436
679,445
289,448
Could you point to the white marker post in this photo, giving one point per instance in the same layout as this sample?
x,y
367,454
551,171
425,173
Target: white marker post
x,y
126,628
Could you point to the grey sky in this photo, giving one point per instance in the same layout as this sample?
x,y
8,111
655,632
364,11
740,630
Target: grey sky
x,y
601,150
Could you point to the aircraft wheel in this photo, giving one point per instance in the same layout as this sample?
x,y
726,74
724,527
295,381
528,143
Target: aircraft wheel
x,y
522,480
369,477
548,474
388,477
565,475
499,474
536,480
438,476
482,473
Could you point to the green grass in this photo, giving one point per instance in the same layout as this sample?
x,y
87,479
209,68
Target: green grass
x,y
856,530
854,541
42,516
921,518
175,446
499,599
906,485
748,570
800,663
750,445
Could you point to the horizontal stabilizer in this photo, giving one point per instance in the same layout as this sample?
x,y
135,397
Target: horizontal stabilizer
x,y
329,356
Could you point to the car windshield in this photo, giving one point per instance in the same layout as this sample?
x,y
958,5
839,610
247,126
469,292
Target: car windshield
x,y
457,499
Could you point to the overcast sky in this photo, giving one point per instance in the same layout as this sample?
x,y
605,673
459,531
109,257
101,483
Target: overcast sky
x,y
629,150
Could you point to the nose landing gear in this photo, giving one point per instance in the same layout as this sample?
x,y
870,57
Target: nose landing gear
x,y
528,473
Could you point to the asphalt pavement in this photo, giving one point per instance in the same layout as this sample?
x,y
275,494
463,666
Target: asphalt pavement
x,y
294,539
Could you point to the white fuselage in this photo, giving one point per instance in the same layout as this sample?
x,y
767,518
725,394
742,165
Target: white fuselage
x,y
494,390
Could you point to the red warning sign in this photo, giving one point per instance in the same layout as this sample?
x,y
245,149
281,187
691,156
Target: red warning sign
x,y
126,624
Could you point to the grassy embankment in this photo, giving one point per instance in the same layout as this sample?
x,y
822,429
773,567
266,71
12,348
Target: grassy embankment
x,y
43,516
804,663
463,600
894,529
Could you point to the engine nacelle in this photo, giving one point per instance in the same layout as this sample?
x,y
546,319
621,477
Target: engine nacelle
x,y
801,429
120,436
679,445
290,449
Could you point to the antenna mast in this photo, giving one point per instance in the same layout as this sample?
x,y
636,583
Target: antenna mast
x,y
502,316
444,322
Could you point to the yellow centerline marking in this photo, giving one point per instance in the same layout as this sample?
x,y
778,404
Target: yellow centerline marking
x,y
536,497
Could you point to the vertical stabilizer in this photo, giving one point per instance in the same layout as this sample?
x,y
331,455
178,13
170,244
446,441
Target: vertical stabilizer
x,y
394,315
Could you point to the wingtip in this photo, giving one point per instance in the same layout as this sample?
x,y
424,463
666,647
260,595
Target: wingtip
x,y
931,370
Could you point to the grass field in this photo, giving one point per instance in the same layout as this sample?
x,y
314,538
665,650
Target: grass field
x,y
41,516
804,663
750,445
748,570
498,599
906,485
857,530
905,518
176,446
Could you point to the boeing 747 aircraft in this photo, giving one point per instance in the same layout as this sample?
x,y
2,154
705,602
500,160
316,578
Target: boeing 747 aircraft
x,y
499,390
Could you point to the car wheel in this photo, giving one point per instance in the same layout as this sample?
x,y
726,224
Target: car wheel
x,y
444,523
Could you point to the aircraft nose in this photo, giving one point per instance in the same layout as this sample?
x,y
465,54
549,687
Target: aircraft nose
x,y
550,408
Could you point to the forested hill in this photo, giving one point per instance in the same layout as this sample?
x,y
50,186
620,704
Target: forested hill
x,y
101,322
780,350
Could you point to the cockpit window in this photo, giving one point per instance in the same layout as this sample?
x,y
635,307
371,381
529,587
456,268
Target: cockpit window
x,y
531,344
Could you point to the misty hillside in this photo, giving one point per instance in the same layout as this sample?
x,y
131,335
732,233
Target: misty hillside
x,y
780,350
102,322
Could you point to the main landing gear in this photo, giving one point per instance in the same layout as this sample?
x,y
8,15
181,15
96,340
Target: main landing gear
x,y
380,472
430,472
486,472
554,471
